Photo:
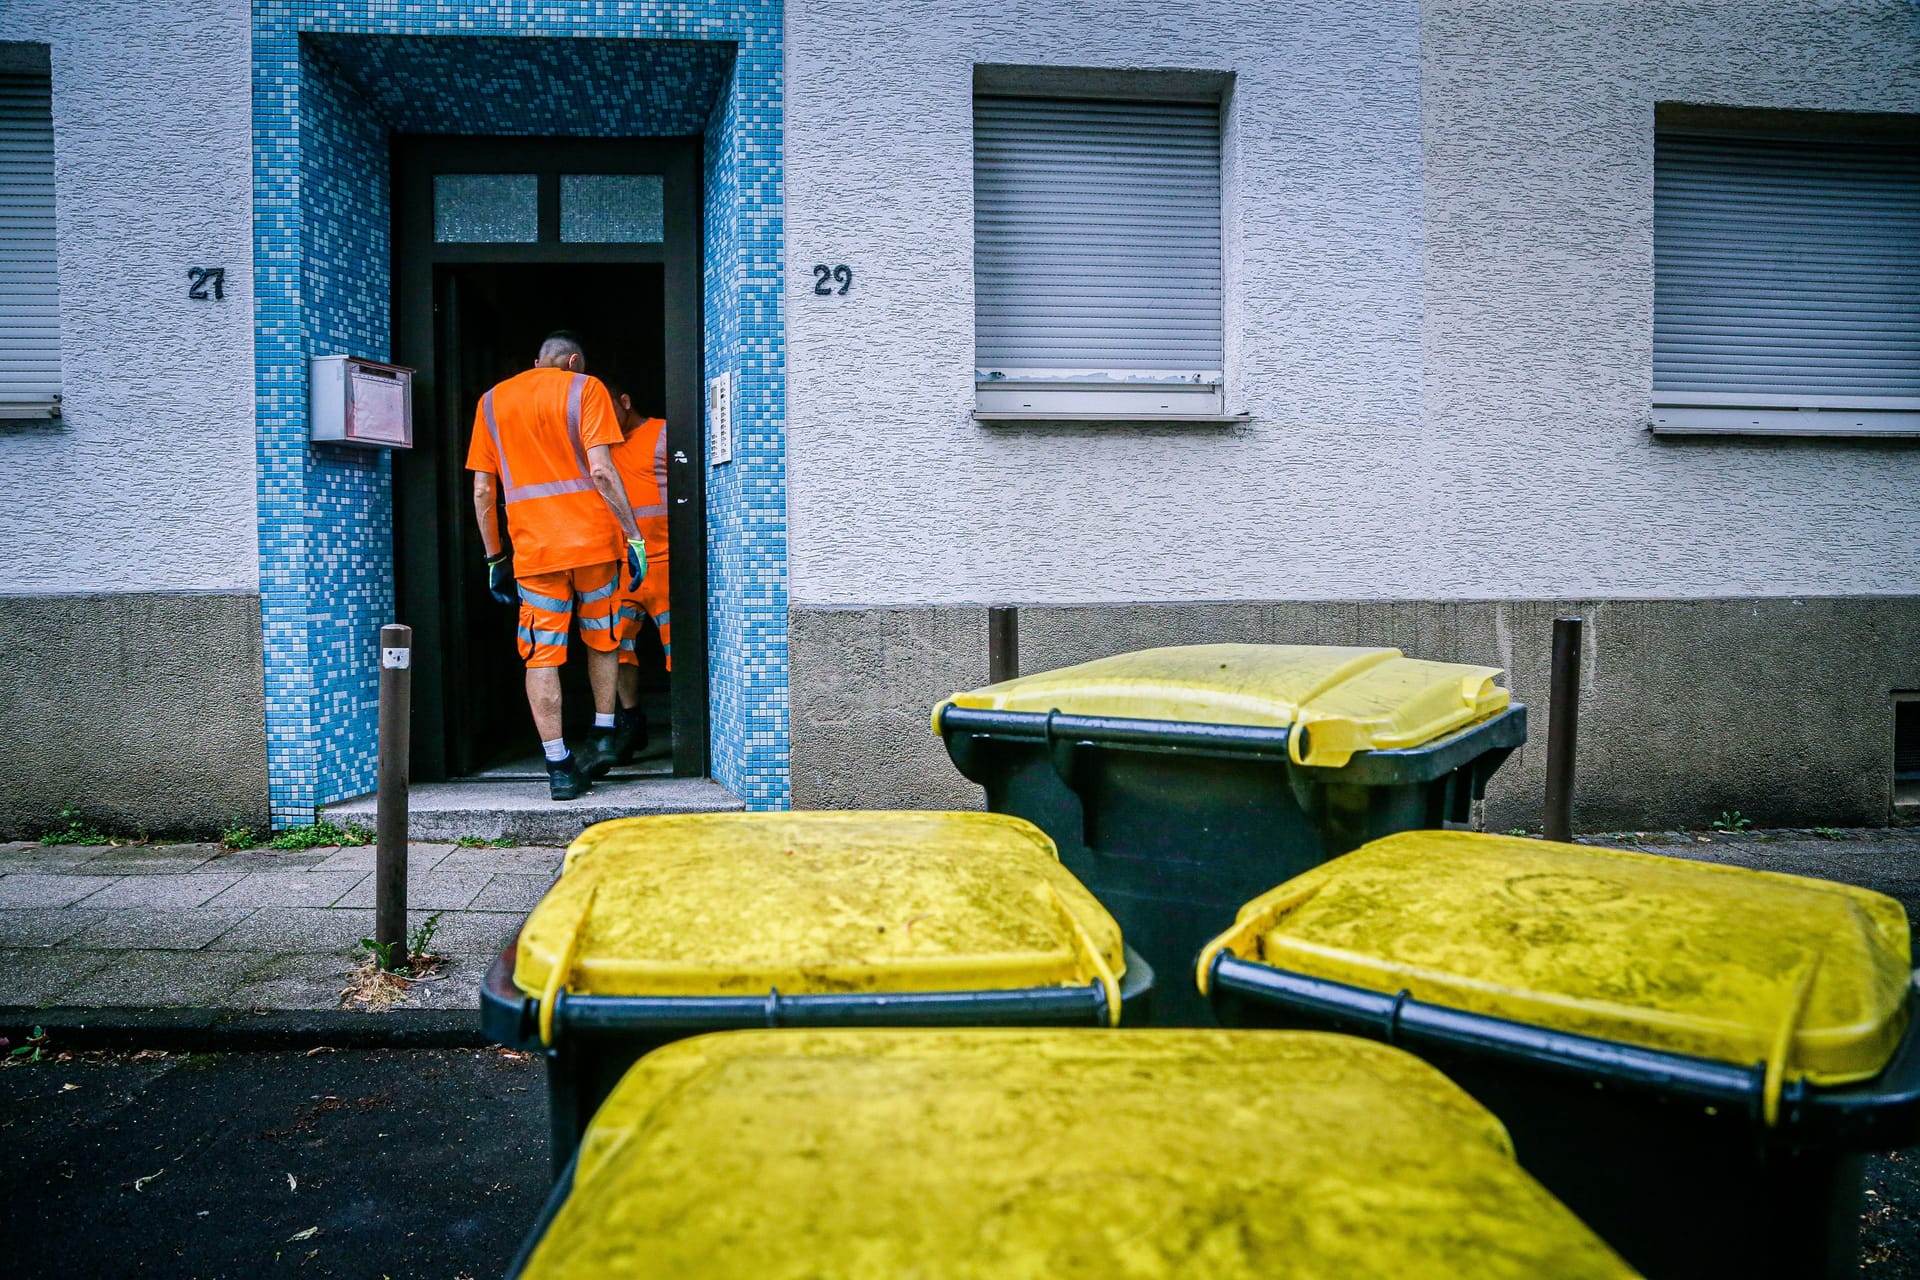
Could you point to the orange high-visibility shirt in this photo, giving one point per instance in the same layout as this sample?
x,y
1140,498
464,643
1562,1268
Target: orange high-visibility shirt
x,y
533,432
642,460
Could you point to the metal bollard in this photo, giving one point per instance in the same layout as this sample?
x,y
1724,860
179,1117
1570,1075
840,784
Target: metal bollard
x,y
1563,727
390,821
1003,643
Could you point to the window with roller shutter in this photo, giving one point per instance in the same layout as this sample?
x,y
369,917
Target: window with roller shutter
x,y
29,290
1097,258
1786,283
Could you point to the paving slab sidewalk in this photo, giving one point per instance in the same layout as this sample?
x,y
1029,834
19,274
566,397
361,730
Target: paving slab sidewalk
x,y
190,926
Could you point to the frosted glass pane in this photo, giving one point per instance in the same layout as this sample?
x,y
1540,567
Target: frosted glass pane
x,y
486,208
612,208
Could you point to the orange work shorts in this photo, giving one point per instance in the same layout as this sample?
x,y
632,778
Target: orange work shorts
x,y
548,602
649,601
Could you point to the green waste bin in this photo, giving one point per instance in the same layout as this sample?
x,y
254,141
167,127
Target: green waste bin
x,y
997,1154
1693,1057
1180,782
664,927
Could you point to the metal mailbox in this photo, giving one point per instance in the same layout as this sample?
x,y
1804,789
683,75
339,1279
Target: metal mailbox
x,y
362,402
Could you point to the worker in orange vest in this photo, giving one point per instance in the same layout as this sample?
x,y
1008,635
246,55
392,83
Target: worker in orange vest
x,y
642,461
546,437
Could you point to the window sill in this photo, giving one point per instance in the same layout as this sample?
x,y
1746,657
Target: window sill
x,y
1114,416
1835,423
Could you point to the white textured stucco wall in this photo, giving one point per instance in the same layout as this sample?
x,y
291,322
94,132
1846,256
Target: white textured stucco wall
x,y
1440,307
1539,189
897,496
149,484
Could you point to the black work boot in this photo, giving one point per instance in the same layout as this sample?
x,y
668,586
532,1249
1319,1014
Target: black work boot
x,y
609,747
597,756
631,726
566,780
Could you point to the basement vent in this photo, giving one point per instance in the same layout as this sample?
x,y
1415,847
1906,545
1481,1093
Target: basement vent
x,y
1906,748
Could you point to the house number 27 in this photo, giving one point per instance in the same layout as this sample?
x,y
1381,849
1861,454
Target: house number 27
x,y
201,279
824,278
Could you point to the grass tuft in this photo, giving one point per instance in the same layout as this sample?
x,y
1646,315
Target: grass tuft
x,y
320,834
76,830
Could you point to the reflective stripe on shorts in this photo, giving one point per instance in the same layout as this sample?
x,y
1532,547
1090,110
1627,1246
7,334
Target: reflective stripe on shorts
x,y
529,636
550,603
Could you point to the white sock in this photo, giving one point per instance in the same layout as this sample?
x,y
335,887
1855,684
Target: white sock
x,y
603,719
556,748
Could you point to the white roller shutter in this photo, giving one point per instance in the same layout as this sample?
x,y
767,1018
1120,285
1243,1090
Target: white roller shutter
x,y
29,292
1786,285
1097,257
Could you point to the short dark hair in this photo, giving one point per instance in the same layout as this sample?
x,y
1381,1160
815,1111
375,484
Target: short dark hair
x,y
614,388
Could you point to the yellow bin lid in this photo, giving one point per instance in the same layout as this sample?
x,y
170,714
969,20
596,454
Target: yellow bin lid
x,y
1347,699
743,903
1003,1154
1718,962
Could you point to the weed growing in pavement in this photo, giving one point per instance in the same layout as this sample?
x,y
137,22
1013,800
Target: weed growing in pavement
x,y
237,835
32,1051
1732,821
420,937
382,953
1830,833
318,835
77,830
481,842
383,979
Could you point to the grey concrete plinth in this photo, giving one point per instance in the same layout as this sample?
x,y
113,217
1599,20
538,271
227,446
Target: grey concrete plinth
x,y
520,811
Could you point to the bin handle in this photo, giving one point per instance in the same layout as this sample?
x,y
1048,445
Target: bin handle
x,y
563,965
1103,972
1776,1073
1297,735
1255,918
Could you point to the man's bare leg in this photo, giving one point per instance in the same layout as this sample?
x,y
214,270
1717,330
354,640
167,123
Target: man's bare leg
x,y
629,686
543,697
603,673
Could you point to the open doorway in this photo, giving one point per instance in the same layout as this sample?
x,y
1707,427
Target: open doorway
x,y
492,319
472,312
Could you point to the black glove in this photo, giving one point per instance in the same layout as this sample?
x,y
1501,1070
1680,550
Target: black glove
x,y
500,579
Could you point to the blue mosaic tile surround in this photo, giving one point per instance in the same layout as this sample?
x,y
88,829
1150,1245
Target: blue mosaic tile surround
x,y
326,97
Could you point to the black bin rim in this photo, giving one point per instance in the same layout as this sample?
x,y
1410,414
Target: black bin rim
x,y
1503,730
1882,1113
510,1017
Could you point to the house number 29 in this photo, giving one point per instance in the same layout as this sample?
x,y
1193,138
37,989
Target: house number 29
x,y
824,278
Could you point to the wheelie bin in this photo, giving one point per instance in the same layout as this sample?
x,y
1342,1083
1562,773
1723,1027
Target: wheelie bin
x,y
664,927
1180,782
1060,1155
1693,1057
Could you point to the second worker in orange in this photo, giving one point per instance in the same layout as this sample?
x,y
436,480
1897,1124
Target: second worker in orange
x,y
642,461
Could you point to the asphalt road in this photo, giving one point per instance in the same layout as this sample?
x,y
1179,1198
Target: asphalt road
x,y
401,1163
395,1163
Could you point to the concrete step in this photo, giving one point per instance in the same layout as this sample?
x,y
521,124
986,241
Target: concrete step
x,y
518,809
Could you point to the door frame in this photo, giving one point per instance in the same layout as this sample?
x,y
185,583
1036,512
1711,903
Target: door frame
x,y
434,613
